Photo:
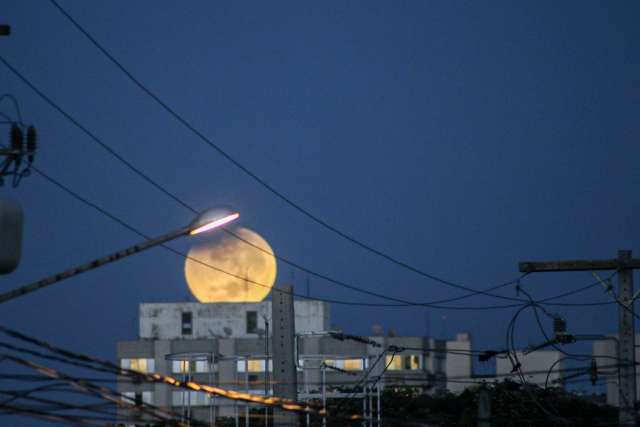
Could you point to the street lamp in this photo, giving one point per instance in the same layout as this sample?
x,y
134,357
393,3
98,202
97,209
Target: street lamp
x,y
208,220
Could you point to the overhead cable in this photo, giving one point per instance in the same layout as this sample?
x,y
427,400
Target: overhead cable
x,y
209,142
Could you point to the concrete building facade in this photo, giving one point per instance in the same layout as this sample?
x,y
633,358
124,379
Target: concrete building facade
x,y
226,345
605,352
542,367
224,320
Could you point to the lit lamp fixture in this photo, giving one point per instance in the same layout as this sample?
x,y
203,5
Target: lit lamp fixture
x,y
212,218
208,220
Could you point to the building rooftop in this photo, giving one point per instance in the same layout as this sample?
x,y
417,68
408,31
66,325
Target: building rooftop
x,y
193,320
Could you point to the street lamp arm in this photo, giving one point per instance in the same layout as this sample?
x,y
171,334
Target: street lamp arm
x,y
74,271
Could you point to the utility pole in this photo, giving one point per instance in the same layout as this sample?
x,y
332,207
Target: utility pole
x,y
625,265
266,367
484,407
283,343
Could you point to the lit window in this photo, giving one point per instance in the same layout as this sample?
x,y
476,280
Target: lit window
x,y
394,363
346,364
253,365
140,365
409,362
353,364
412,362
185,366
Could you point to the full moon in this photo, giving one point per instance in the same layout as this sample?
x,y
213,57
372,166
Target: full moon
x,y
246,264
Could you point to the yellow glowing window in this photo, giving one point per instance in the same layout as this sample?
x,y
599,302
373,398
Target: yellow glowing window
x,y
394,363
412,362
346,364
140,365
353,364
255,365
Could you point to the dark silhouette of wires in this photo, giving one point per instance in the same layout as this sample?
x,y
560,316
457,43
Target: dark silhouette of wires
x,y
433,304
134,169
182,120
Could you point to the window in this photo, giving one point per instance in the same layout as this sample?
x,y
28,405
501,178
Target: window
x,y
137,398
180,366
252,322
194,398
394,363
347,364
353,364
138,364
409,362
412,362
187,323
184,366
256,365
203,366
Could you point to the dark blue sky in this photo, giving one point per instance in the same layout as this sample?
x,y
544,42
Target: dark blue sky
x,y
461,137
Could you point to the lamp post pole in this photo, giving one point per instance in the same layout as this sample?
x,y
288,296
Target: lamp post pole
x,y
99,262
208,220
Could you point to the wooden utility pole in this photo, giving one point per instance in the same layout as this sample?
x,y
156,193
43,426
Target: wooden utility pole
x,y
625,265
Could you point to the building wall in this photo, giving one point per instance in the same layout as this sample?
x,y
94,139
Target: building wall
x,y
605,352
458,365
418,365
535,365
223,320
219,332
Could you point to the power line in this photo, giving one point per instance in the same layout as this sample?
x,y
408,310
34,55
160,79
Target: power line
x,y
62,383
253,175
147,178
186,256
103,392
273,401
16,107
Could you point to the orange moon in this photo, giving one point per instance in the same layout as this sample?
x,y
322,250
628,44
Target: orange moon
x,y
246,264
